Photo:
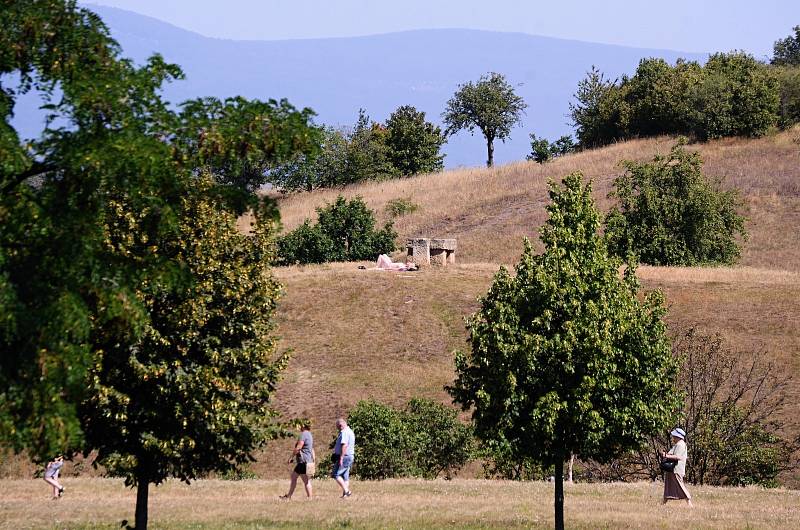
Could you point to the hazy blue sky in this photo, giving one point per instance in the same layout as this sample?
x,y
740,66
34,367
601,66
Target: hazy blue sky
x,y
685,25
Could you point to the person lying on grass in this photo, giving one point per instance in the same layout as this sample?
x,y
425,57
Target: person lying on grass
x,y
385,263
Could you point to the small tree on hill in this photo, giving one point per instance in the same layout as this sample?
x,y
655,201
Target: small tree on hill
x,y
189,392
491,105
668,213
543,151
414,144
566,358
786,52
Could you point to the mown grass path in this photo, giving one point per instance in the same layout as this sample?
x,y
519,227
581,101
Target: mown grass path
x,y
408,504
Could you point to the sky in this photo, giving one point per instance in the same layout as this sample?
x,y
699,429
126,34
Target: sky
x,y
683,25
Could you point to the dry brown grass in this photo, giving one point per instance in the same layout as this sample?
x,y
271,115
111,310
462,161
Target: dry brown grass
x,y
102,503
490,210
361,334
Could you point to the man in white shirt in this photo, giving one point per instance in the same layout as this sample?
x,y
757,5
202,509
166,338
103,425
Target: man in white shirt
x,y
343,454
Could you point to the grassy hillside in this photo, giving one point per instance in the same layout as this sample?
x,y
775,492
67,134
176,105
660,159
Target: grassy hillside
x,y
490,210
359,334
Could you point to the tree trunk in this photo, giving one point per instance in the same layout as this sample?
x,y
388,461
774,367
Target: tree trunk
x,y
569,472
142,490
490,152
559,504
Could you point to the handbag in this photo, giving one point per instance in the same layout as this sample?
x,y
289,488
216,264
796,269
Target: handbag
x,y
668,465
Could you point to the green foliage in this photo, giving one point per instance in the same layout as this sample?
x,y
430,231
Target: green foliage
x,y
111,302
400,207
325,168
566,358
786,52
490,105
788,78
188,392
425,439
345,231
368,154
383,441
543,151
238,140
597,113
414,144
731,95
738,96
668,213
440,444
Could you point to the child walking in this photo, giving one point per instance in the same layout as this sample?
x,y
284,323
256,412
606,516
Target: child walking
x,y
51,475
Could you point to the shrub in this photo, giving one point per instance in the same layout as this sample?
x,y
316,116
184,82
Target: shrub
x,y
345,231
425,440
382,441
399,207
543,151
441,444
733,416
668,213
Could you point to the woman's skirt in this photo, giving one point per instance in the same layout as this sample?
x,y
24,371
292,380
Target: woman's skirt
x,y
674,487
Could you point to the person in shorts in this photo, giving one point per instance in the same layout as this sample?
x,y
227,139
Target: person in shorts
x,y
51,475
304,458
343,455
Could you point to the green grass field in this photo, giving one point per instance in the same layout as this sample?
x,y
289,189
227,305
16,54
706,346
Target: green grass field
x,y
407,504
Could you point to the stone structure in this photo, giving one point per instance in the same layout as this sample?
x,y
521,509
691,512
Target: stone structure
x,y
439,252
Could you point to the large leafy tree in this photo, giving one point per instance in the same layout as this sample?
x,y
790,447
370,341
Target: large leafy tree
x,y
98,219
566,357
414,144
490,105
786,52
237,140
59,277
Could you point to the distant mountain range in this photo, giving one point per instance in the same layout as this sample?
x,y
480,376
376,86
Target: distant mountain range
x,y
337,76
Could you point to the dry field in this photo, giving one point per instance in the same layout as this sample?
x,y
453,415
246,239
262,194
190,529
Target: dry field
x,y
408,504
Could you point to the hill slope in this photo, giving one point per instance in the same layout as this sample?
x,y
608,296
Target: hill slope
x,y
490,210
361,334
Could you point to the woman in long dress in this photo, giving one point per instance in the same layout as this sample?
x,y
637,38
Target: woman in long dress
x,y
674,488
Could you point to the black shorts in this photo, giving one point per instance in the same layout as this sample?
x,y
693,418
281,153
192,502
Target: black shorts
x,y
300,468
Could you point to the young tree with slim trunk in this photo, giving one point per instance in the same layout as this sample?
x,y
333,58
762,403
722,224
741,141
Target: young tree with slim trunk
x,y
566,357
189,392
490,105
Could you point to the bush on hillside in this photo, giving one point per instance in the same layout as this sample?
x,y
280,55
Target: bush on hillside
x,y
425,439
669,213
441,444
345,231
543,151
731,95
399,207
733,417
383,441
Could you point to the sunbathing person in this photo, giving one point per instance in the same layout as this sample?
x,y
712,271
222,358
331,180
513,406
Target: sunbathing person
x,y
385,263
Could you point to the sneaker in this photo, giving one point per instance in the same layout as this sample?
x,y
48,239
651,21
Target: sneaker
x,y
61,491
347,493
285,498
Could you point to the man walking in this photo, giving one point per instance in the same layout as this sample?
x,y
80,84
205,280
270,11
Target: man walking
x,y
343,453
